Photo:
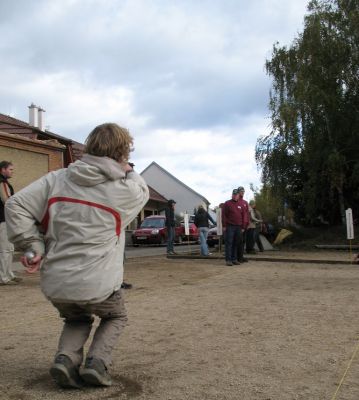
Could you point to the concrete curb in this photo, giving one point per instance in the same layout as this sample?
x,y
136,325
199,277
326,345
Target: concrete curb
x,y
336,247
267,259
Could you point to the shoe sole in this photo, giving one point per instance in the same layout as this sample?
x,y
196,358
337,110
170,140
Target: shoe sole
x,y
92,377
61,376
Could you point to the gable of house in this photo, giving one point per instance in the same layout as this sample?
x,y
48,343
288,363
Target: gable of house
x,y
171,187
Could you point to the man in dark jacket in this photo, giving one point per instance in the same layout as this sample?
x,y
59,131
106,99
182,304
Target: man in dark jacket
x,y
170,225
7,277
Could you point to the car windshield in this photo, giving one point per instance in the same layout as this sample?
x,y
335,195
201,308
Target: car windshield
x,y
153,223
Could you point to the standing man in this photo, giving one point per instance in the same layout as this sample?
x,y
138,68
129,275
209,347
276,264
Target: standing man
x,y
7,277
170,225
253,230
242,240
232,220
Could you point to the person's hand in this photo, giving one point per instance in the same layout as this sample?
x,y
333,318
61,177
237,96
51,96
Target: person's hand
x,y
127,167
32,266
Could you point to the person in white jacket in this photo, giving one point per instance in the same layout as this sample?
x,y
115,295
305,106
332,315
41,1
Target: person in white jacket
x,y
83,211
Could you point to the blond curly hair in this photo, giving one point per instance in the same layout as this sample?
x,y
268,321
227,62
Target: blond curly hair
x,y
110,140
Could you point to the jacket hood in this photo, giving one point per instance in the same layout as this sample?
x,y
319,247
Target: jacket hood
x,y
93,170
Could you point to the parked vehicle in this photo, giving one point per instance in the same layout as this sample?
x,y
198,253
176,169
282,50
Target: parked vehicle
x,y
154,231
213,238
193,230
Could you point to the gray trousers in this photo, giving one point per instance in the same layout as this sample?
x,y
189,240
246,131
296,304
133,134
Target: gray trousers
x,y
6,255
78,319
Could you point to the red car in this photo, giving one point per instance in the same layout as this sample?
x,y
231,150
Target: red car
x,y
154,231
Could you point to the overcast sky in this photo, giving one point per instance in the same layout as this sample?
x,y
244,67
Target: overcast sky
x,y
186,77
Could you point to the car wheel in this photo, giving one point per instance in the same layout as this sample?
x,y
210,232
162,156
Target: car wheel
x,y
162,241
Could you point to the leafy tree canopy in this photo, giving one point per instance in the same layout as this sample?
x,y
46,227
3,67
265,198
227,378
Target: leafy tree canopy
x,y
310,158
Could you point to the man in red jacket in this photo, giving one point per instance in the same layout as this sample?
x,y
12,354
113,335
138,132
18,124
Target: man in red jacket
x,y
232,220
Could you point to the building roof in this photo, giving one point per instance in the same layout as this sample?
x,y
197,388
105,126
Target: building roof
x,y
153,163
21,138
74,150
154,195
14,125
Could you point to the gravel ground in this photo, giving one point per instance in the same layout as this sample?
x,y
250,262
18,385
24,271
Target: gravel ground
x,y
200,330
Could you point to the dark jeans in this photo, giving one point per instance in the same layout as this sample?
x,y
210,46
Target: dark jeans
x,y
233,235
170,238
241,243
258,240
250,239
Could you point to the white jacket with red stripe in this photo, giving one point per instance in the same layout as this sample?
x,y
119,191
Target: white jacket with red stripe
x,y
84,210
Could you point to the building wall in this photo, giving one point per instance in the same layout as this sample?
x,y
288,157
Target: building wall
x,y
31,159
164,184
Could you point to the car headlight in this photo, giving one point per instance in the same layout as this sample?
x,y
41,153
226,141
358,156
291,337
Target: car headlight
x,y
154,231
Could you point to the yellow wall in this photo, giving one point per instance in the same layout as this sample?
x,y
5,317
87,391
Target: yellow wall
x,y
28,165
31,158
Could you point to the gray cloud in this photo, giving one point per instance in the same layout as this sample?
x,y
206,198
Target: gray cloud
x,y
184,66
188,63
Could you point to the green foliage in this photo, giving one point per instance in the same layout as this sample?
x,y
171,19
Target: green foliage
x,y
310,158
268,203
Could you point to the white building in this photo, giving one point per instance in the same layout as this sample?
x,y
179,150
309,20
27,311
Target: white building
x,y
172,188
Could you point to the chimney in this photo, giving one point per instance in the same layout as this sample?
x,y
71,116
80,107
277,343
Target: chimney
x,y
33,115
41,119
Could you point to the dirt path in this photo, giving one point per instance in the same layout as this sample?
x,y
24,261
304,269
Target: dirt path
x,y
200,330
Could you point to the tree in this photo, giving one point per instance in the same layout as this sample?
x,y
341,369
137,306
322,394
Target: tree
x,y
268,204
310,158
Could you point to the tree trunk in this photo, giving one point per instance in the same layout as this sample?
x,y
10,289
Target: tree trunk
x,y
341,204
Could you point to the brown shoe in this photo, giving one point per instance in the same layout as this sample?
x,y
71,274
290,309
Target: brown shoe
x,y
65,373
95,372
